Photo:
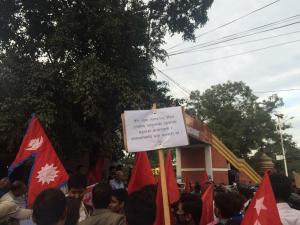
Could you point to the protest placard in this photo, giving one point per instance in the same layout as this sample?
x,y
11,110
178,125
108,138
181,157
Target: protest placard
x,y
154,129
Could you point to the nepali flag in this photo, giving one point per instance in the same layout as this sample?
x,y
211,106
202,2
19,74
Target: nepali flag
x,y
47,170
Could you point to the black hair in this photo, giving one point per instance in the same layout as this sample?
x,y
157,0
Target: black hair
x,y
192,204
119,167
102,193
245,191
73,211
282,187
197,187
77,181
78,167
49,207
17,185
228,203
140,207
120,194
112,167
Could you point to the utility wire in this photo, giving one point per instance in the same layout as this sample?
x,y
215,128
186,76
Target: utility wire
x,y
230,22
174,88
235,44
284,90
169,78
230,56
240,35
185,90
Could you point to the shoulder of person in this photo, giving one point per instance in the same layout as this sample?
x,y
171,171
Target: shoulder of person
x,y
120,219
7,197
7,208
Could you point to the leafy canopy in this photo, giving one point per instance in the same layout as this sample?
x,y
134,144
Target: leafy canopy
x,y
78,64
242,121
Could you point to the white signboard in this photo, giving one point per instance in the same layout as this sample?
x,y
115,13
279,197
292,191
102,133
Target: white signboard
x,y
279,157
154,129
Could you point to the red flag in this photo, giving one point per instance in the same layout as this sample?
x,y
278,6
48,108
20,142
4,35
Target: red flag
x,y
95,174
87,198
173,191
159,218
187,187
207,205
262,209
204,179
47,170
141,173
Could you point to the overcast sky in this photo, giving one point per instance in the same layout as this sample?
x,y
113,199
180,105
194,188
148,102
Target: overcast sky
x,y
276,68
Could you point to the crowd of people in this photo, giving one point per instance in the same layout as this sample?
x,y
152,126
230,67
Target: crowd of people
x,y
112,205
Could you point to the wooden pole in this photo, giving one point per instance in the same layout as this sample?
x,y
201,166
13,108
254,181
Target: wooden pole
x,y
163,184
164,187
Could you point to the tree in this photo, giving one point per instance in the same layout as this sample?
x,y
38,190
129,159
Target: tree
x,y
241,120
79,64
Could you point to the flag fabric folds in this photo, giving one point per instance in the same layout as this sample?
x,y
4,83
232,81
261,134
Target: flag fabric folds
x,y
159,217
95,174
173,191
205,179
262,209
207,206
47,170
187,187
141,173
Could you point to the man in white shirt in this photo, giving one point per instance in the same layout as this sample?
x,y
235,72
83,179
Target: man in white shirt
x,y
118,181
10,203
282,189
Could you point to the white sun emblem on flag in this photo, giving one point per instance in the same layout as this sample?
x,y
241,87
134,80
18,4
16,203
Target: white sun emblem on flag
x,y
47,174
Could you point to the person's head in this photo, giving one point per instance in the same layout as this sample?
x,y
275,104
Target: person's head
x,y
140,207
281,186
49,208
112,171
73,208
101,195
118,200
5,183
245,192
227,204
119,167
189,209
197,187
119,175
18,188
76,186
81,170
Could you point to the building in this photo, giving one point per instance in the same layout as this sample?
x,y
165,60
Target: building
x,y
207,154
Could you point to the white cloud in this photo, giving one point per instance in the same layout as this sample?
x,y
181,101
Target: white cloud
x,y
267,70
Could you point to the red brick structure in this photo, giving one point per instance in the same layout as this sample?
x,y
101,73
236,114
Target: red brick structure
x,y
206,153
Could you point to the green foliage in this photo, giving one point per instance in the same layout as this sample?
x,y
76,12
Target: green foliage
x,y
241,121
79,64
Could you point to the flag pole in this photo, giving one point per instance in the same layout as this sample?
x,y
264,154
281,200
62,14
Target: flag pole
x,y
163,184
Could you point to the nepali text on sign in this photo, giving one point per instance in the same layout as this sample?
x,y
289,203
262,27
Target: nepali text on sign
x,y
155,129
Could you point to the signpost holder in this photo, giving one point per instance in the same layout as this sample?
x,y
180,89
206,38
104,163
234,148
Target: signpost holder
x,y
164,187
163,183
170,131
